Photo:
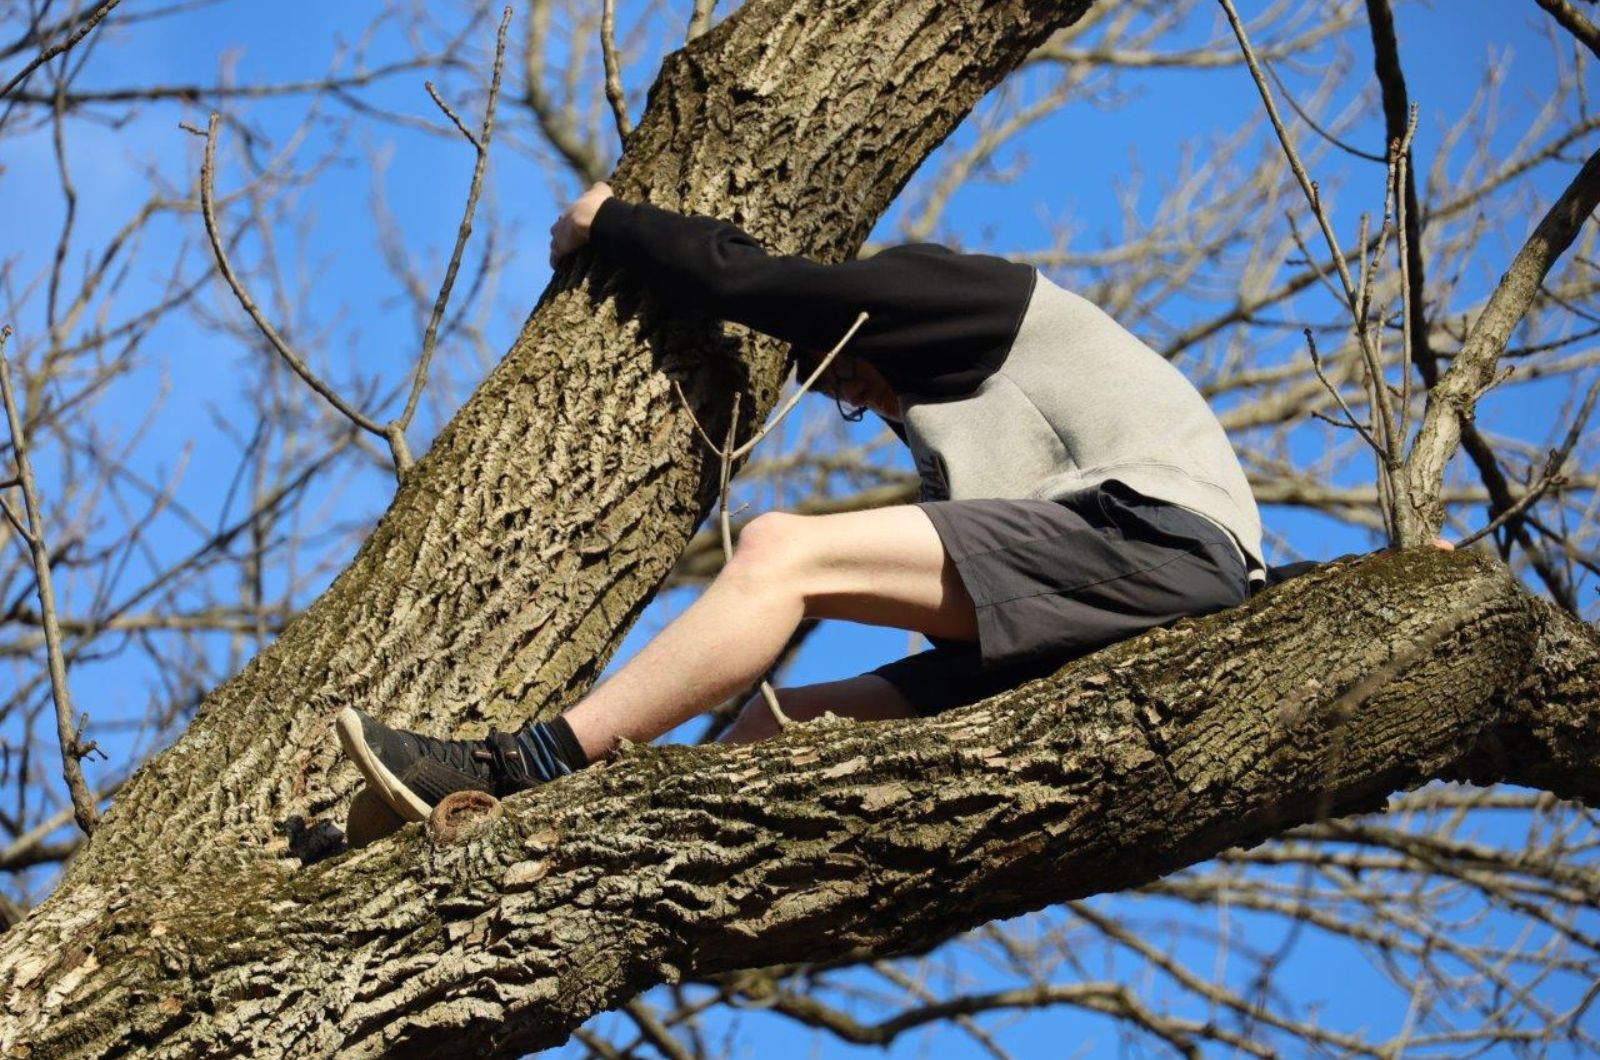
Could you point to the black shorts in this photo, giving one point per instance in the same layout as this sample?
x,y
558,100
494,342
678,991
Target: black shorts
x,y
1054,580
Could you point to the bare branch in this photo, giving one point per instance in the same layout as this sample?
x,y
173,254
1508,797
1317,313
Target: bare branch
x,y
1313,124
608,53
556,123
219,251
84,29
72,751
1549,477
805,387
1391,444
1573,22
1451,402
1349,417
395,430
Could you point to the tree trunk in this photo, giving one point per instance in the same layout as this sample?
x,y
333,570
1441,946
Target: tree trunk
x,y
520,549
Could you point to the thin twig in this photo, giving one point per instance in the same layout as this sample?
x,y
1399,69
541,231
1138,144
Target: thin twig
x,y
1545,483
294,360
727,453
1402,165
788,406
72,752
861,318
684,400
1312,125
724,475
395,431
1316,365
449,112
1293,156
56,49
1388,445
1550,476
1333,421
1369,264
608,52
1320,273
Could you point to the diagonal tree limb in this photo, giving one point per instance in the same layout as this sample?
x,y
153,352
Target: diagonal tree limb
x,y
1451,402
517,555
81,31
1574,22
69,737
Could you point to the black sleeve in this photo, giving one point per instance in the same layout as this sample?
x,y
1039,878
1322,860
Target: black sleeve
x,y
938,321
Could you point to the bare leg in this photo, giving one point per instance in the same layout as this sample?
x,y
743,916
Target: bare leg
x,y
867,697
884,567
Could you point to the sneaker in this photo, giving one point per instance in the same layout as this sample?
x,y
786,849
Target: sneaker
x,y
413,773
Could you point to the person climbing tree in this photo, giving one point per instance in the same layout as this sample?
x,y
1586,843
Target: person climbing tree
x,y
1076,490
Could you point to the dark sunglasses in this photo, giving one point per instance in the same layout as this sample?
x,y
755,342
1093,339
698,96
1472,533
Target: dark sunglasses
x,y
844,371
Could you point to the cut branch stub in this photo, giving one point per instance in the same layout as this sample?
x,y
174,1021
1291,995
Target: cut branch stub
x,y
460,815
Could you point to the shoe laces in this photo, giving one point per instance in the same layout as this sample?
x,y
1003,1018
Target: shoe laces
x,y
510,768
464,756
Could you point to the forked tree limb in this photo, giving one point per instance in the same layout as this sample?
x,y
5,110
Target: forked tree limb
x,y
1397,108
206,914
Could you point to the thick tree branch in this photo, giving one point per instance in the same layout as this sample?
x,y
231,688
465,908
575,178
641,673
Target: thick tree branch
x,y
1333,692
518,553
481,597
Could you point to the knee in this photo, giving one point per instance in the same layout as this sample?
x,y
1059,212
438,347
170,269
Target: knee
x,y
755,720
772,544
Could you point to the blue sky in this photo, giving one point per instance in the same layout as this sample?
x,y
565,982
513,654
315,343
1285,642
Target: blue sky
x,y
1076,162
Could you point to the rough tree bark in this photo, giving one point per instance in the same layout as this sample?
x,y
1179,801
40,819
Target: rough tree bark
x,y
206,918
